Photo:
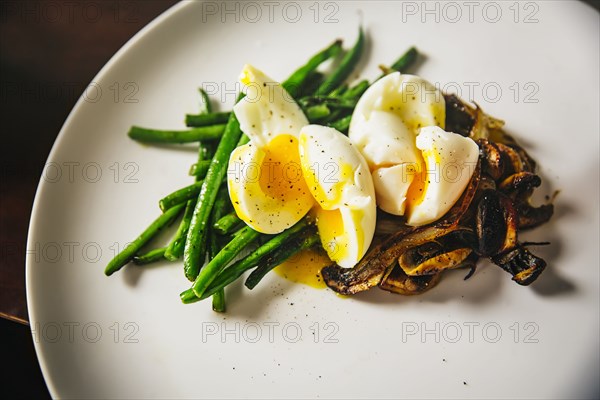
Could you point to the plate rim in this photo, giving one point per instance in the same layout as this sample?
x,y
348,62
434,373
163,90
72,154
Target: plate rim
x,y
34,223
39,192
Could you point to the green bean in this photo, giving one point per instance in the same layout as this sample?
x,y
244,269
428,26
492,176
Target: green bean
x,y
406,60
180,196
188,296
341,124
356,91
227,223
221,204
352,94
278,257
151,231
197,120
199,169
332,102
195,245
210,271
205,106
345,68
403,63
235,270
340,90
319,111
299,77
175,248
150,256
312,83
177,245
206,151
218,301
243,140
212,132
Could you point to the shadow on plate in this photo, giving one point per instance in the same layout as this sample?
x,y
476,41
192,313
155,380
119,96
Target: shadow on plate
x,y
132,272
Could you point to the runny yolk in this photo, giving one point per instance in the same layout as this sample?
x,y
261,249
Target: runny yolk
x,y
417,189
280,173
305,268
333,237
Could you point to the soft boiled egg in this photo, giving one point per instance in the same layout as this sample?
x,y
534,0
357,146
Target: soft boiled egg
x,y
449,162
407,169
384,126
339,179
264,177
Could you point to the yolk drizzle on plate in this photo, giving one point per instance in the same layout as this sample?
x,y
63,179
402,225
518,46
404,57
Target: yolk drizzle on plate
x,y
305,268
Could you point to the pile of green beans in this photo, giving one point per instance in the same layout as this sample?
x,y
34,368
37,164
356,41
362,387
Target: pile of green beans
x,y
210,236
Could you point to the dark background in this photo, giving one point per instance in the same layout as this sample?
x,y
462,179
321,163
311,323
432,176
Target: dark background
x,y
40,51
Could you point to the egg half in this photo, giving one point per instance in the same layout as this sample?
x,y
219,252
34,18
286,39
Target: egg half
x,y
264,177
339,179
449,160
421,177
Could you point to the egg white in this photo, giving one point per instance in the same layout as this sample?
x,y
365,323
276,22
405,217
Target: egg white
x,y
384,127
268,109
339,179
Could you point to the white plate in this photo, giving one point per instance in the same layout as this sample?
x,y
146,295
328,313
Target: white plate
x,y
129,336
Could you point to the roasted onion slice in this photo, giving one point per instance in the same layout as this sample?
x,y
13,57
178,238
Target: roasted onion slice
x,y
433,257
398,282
521,264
